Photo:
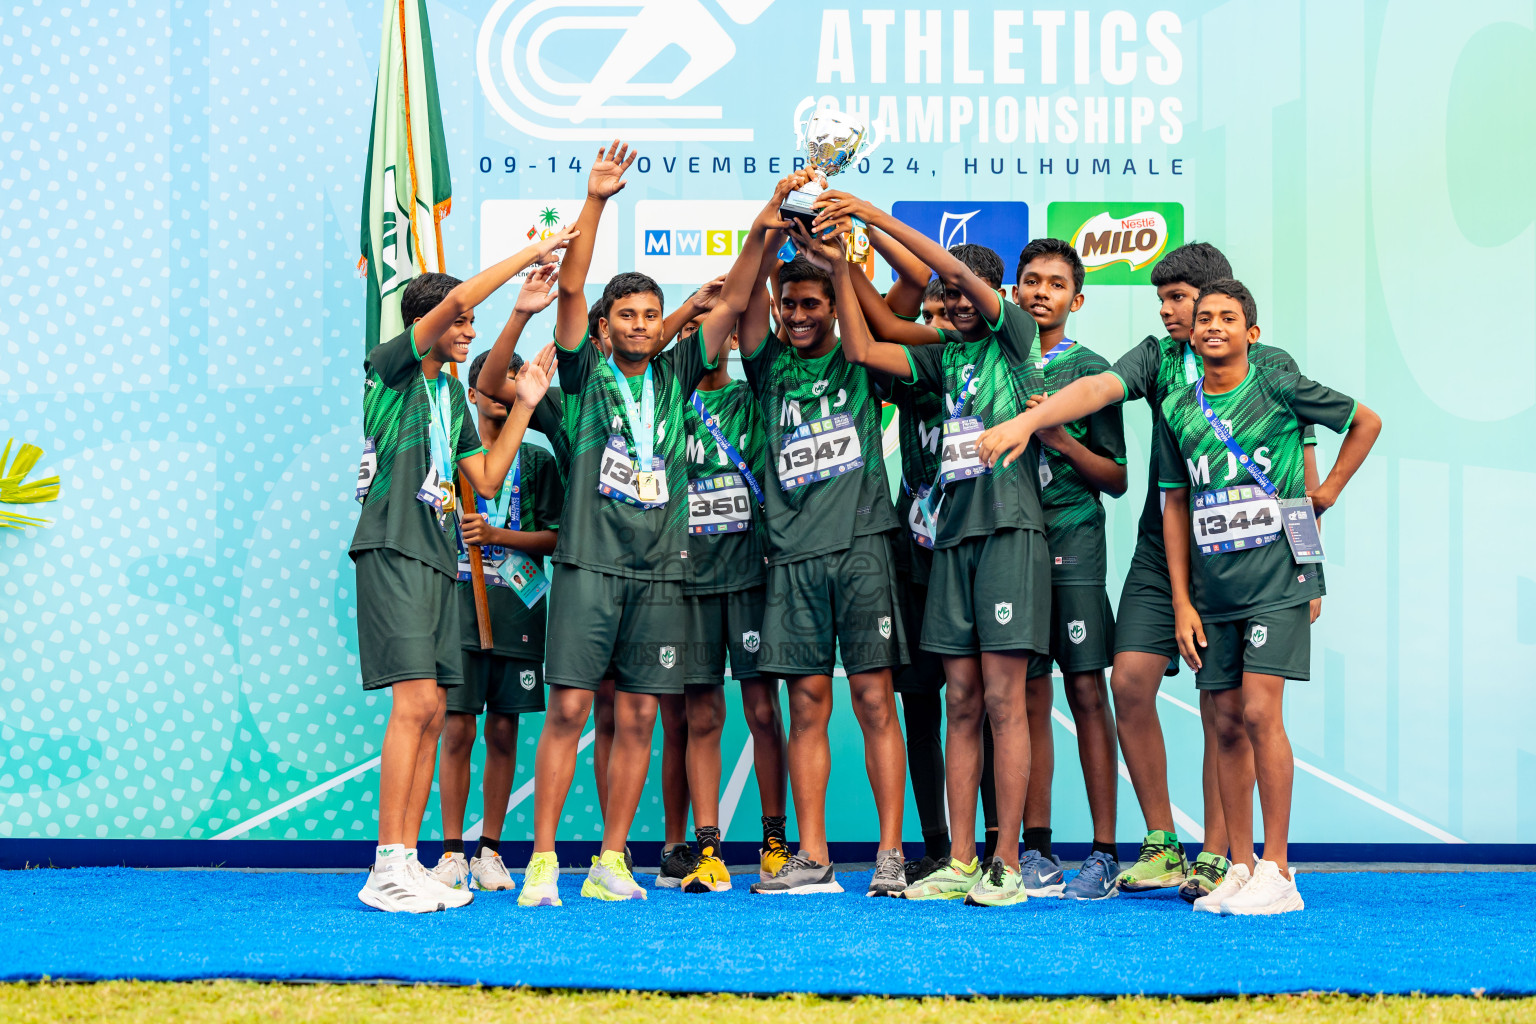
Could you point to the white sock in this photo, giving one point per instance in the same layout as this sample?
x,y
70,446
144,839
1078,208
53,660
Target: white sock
x,y
386,858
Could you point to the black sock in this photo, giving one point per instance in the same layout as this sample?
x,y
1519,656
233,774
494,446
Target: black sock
x,y
488,845
1038,839
453,845
773,828
937,846
989,848
708,835
1108,848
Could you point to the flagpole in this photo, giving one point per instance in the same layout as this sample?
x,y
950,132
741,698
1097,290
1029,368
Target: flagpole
x,y
465,490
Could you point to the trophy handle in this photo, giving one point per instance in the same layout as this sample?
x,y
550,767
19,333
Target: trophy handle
x,y
866,152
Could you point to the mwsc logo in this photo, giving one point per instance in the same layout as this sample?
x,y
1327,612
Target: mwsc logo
x,y
524,49
1118,242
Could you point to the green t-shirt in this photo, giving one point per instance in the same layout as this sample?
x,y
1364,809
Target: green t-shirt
x,y
724,563
919,429
1007,371
1265,414
517,631
397,417
823,517
1153,370
1074,514
604,534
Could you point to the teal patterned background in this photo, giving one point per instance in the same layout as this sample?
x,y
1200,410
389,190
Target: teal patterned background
x,y
179,204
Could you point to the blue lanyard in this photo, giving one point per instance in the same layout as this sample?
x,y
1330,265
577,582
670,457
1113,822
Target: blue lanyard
x,y
1191,370
508,504
1056,350
1220,430
440,427
963,396
712,424
644,434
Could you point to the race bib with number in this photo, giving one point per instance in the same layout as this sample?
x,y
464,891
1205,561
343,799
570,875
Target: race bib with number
x,y
922,529
960,459
819,450
1234,519
719,504
620,480
367,467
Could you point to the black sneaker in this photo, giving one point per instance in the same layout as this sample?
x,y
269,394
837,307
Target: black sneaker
x,y
919,869
677,863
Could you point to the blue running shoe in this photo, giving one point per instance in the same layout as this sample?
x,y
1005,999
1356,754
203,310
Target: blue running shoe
x,y
1042,875
1096,880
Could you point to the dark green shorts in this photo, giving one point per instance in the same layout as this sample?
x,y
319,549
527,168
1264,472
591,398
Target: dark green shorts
x,y
843,603
407,621
990,593
724,623
502,685
602,626
1274,643
924,670
1144,621
1082,632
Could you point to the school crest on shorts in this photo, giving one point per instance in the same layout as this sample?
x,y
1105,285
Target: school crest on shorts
x,y
1077,631
526,679
1004,611
1259,637
668,656
885,626
751,641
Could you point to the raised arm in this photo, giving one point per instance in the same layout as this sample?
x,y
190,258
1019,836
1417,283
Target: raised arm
x,y
885,324
466,295
745,275
1083,397
859,346
701,301
761,312
604,181
534,297
905,297
487,471
837,205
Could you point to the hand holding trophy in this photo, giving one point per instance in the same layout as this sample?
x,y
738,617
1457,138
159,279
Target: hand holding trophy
x,y
833,141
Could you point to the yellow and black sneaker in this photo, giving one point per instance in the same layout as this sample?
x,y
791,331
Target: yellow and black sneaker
x,y
773,856
709,874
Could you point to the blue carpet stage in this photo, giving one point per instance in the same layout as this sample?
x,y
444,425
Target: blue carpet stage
x,y
1431,933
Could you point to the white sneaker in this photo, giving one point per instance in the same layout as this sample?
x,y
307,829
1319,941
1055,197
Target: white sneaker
x,y
433,886
1232,883
452,870
396,891
489,873
1270,892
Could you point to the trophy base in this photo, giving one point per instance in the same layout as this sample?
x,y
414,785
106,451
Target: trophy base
x,y
800,204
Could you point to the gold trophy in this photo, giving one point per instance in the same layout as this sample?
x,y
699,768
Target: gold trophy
x,y
833,141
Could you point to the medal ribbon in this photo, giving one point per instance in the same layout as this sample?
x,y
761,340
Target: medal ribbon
x,y
712,424
644,435
1220,430
440,427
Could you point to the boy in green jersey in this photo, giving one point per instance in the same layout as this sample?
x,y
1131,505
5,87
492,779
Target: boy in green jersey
x,y
619,562
1145,648
506,681
1079,462
830,585
1230,461
989,590
419,438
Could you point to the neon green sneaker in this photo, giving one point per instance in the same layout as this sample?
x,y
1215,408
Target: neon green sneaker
x,y
609,879
953,881
1161,864
998,886
1204,876
540,888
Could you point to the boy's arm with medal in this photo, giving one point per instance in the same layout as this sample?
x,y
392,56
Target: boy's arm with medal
x,y
535,296
604,181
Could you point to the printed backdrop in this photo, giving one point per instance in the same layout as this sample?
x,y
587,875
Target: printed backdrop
x,y
183,327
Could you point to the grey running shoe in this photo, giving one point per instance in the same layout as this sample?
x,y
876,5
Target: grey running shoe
x,y
1042,875
800,875
890,878
677,863
1096,880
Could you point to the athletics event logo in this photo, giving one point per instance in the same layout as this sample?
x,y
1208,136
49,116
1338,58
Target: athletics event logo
x,y
1118,242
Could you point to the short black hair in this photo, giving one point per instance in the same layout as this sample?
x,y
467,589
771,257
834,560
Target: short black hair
x,y
424,294
597,312
478,363
935,290
983,262
802,269
1055,249
1236,291
630,283
1194,263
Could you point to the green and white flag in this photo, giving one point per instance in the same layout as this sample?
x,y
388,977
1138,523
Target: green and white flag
x,y
406,191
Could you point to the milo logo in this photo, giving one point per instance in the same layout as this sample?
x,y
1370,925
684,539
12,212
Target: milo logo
x,y
1118,242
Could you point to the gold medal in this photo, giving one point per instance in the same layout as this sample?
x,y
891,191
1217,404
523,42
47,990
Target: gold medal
x,y
447,491
647,486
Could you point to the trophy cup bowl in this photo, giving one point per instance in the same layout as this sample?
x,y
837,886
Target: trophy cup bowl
x,y
833,141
